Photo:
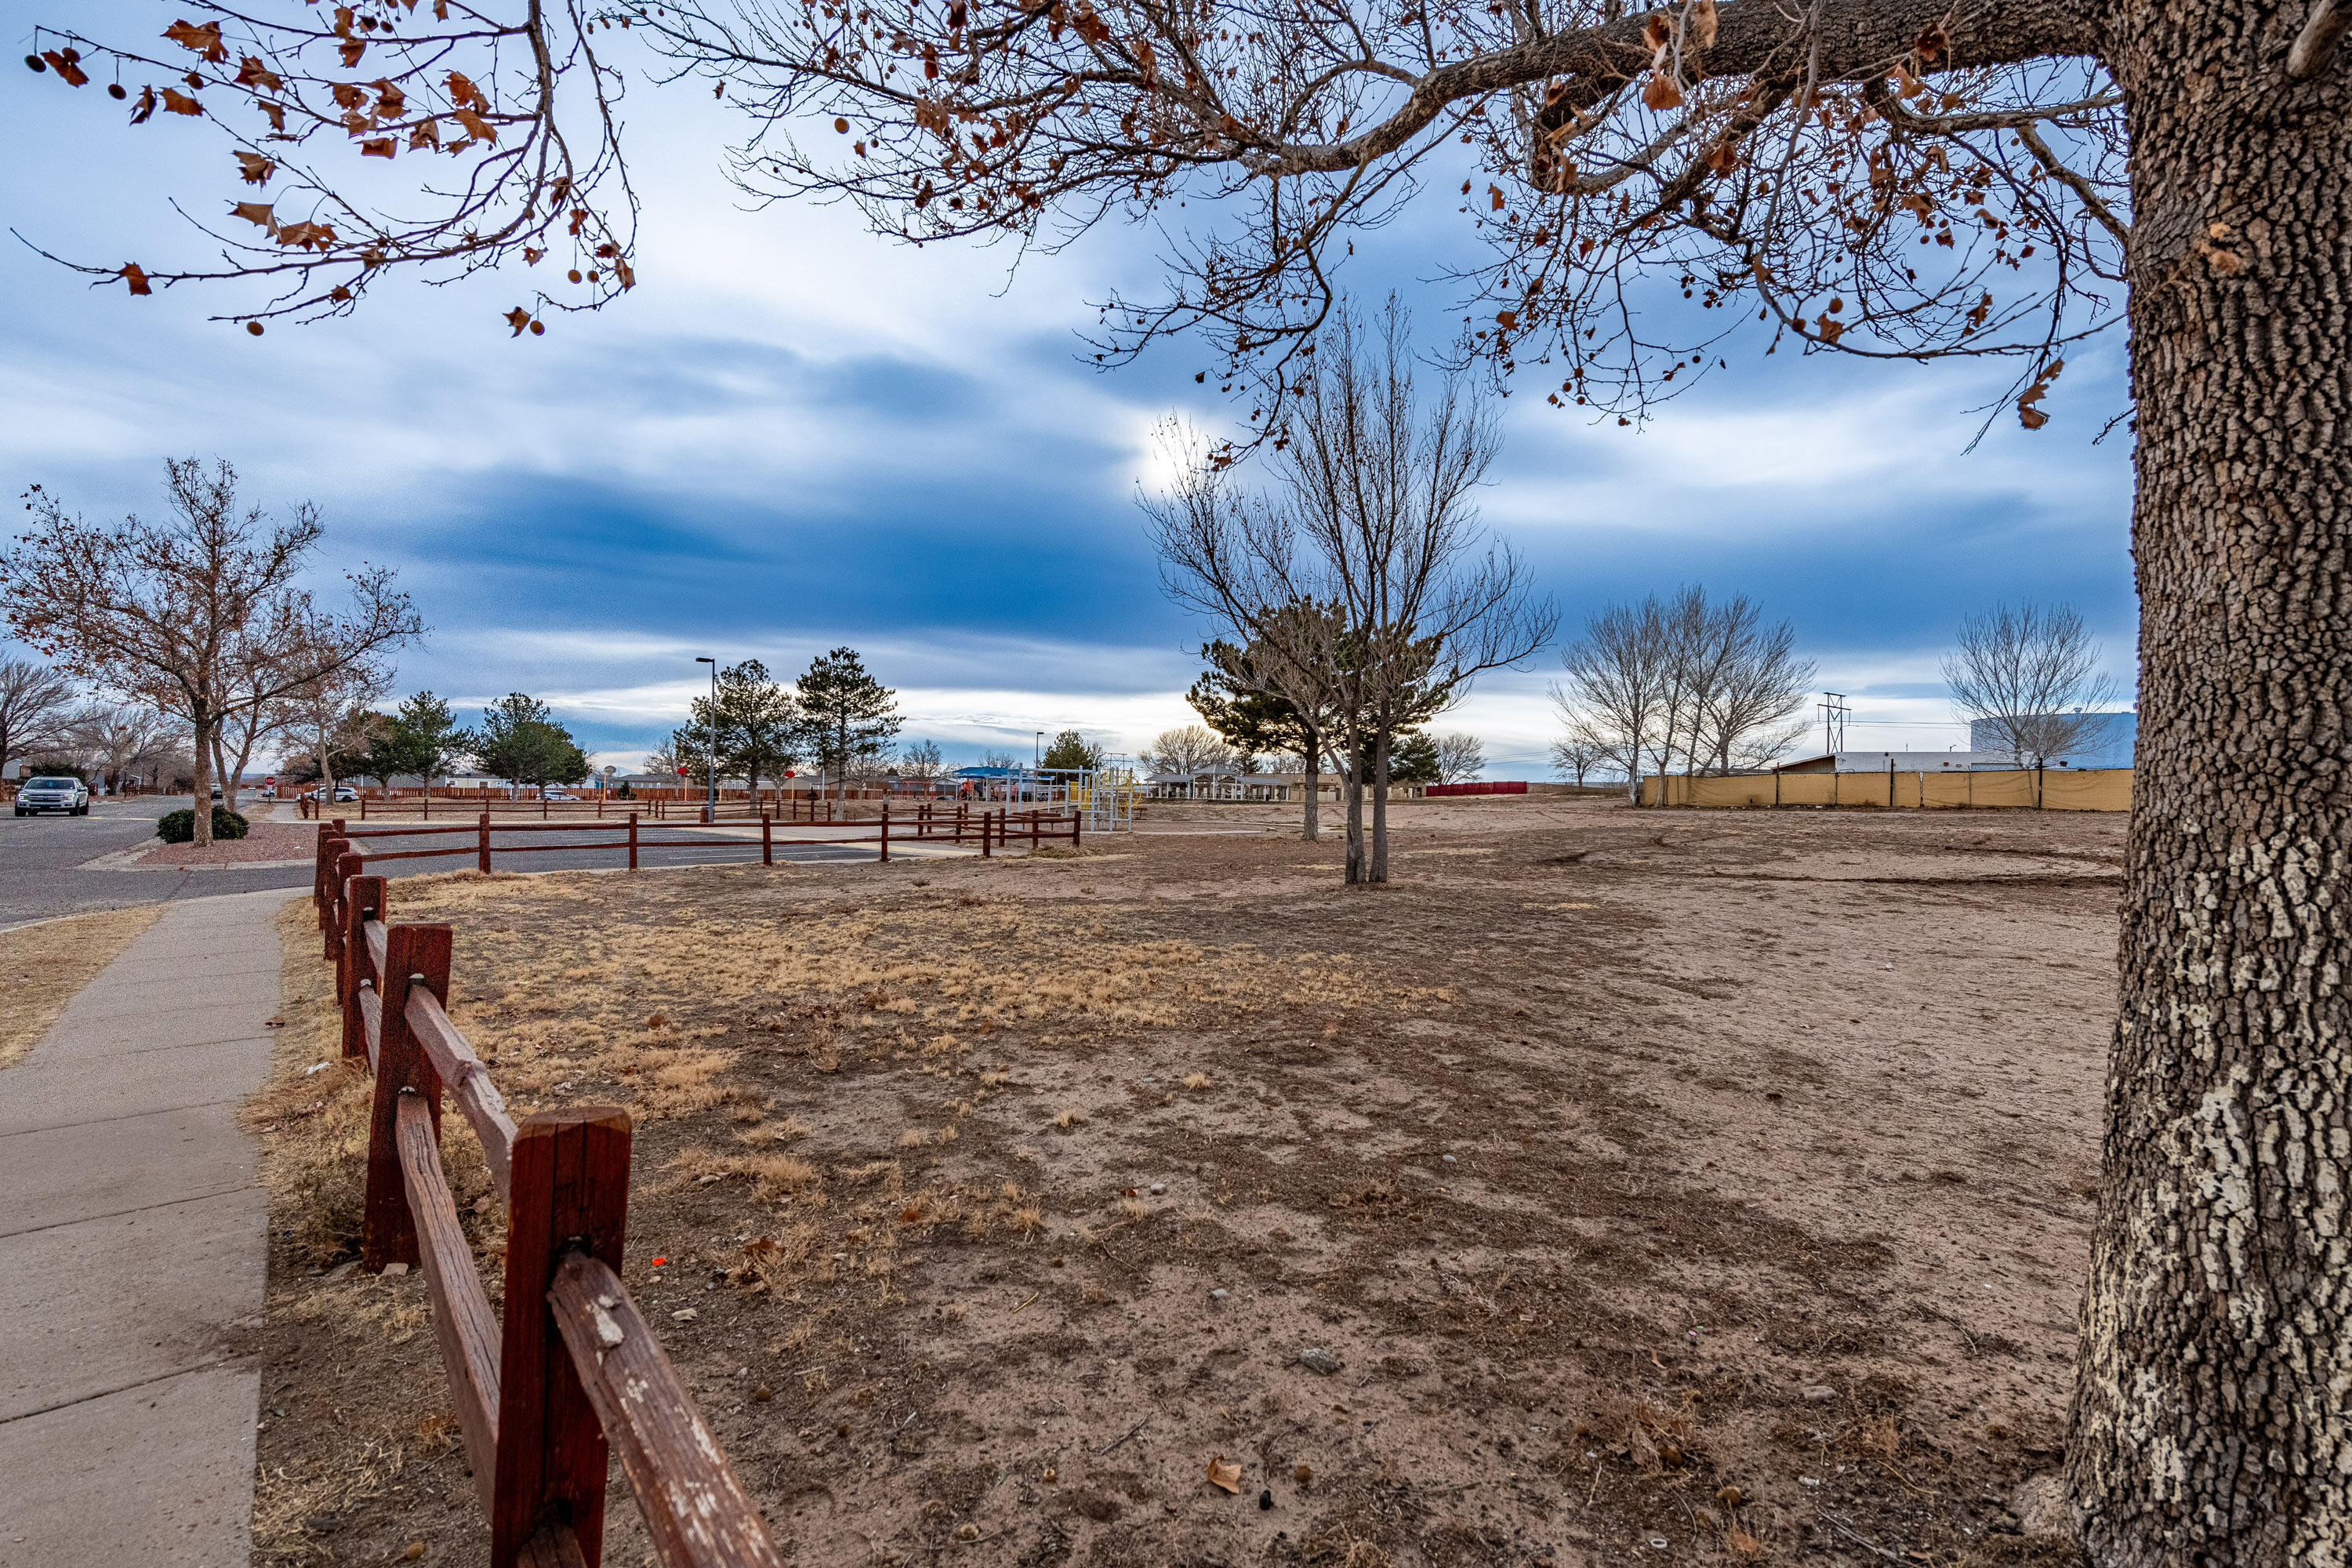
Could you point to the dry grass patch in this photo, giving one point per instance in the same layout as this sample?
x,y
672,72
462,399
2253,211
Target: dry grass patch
x,y
42,966
1572,1212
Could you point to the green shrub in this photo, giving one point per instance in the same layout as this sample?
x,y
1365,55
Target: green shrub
x,y
180,826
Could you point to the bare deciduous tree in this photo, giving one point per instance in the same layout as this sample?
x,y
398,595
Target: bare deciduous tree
x,y
180,615
1706,680
37,709
1459,757
1619,691
1746,683
335,715
1576,753
1371,520
1190,750
2028,674
121,739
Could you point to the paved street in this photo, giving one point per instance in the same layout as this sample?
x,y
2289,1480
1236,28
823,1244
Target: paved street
x,y
45,871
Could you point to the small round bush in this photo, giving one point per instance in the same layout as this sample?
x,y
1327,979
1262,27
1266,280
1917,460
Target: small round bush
x,y
180,826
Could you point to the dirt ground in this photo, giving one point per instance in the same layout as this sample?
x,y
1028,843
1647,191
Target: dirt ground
x,y
263,842
1617,1186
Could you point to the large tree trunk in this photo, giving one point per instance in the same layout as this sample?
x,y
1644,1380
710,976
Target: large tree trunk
x,y
1352,786
201,805
2210,1410
1312,828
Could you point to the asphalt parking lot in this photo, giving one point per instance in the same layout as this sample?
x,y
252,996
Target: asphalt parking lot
x,y
52,866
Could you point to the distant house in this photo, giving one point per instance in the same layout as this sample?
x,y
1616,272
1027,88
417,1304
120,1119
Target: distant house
x,y
2114,734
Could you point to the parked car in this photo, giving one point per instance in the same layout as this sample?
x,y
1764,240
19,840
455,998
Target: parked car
x,y
64,793
343,792
556,795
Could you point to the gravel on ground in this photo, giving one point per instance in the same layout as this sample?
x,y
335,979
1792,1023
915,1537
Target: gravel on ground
x,y
262,841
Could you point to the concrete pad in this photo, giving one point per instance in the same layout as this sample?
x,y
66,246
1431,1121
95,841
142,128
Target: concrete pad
x,y
107,1304
59,1175
120,1037
176,996
175,969
79,1092
161,1474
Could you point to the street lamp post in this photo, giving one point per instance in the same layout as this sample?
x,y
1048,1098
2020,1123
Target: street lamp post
x,y
710,811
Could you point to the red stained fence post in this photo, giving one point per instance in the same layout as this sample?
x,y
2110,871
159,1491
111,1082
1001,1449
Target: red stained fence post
x,y
633,841
319,875
767,840
1077,821
342,865
985,819
363,898
482,845
570,1189
885,833
413,954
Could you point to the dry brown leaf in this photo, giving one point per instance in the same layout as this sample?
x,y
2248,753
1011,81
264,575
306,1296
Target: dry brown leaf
x,y
1700,26
1225,1473
62,61
204,40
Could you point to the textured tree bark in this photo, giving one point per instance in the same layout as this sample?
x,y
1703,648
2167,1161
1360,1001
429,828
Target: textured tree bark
x,y
2209,1418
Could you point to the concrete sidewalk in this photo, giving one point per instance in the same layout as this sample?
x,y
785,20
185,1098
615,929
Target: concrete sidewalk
x,y
133,1239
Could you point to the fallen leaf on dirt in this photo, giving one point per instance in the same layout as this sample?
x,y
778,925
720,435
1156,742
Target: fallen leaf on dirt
x,y
1225,1473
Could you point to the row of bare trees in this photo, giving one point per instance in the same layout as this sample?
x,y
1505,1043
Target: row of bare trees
x,y
204,619
50,724
1711,682
1354,589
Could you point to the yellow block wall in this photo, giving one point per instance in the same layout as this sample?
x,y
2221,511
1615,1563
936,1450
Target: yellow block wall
x,y
2084,789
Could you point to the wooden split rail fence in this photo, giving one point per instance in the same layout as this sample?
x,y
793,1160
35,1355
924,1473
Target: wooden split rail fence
x,y
788,808
571,1371
990,830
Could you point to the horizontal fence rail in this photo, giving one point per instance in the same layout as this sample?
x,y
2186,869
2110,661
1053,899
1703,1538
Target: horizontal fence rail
x,y
569,1372
788,806
959,825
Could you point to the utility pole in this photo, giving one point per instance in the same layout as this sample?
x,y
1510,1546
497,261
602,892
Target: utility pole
x,y
1834,713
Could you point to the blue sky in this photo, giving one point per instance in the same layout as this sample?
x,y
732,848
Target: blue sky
x,y
793,436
